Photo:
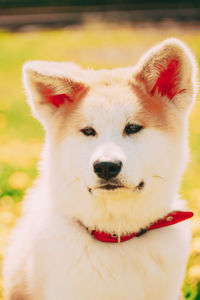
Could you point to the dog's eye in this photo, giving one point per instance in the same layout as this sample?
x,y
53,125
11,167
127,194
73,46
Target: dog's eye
x,y
88,131
132,128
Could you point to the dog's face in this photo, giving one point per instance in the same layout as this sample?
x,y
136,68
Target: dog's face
x,y
116,140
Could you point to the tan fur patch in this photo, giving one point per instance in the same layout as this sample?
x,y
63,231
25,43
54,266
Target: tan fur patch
x,y
153,111
18,297
66,120
18,294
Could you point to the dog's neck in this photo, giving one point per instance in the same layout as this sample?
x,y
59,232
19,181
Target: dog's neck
x,y
170,219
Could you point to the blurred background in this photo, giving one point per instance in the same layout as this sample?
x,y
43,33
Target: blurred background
x,y
96,34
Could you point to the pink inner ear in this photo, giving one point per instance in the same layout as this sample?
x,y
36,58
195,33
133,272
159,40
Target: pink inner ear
x,y
77,91
51,98
167,83
58,100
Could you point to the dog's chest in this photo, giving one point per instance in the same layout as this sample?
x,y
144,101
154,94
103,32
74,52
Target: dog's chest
x,y
149,267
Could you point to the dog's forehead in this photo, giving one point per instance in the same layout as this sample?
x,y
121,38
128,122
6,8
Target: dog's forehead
x,y
110,98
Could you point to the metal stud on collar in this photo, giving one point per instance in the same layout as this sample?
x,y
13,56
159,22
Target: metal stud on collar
x,y
114,235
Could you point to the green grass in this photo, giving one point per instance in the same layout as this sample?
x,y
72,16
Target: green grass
x,y
21,136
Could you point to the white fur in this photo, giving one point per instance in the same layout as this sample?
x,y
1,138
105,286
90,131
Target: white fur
x,y
51,256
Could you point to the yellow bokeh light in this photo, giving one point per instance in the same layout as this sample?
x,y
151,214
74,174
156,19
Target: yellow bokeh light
x,y
196,245
194,272
195,221
19,180
21,153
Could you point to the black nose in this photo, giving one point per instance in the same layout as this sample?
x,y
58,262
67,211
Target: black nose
x,y
107,169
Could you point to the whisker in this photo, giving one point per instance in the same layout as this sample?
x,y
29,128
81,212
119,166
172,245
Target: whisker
x,y
66,185
159,177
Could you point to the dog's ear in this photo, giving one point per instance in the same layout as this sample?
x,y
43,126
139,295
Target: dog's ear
x,y
168,71
50,86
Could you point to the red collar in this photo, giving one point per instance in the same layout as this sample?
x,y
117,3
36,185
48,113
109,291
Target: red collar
x,y
172,218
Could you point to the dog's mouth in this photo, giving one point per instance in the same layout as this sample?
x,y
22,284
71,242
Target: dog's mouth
x,y
113,187
107,187
110,186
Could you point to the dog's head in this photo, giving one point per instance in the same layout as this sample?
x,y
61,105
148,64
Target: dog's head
x,y
116,139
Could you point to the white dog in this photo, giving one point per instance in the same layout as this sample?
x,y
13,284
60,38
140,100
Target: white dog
x,y
116,148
